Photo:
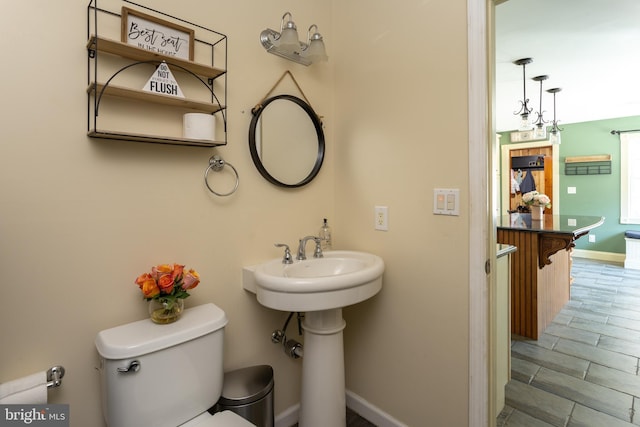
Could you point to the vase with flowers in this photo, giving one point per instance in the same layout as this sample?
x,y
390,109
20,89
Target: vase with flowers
x,y
166,287
537,202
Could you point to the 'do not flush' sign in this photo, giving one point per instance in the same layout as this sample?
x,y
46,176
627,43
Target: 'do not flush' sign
x,y
162,82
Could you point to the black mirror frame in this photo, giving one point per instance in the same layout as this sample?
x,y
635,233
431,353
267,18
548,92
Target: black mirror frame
x,y
257,111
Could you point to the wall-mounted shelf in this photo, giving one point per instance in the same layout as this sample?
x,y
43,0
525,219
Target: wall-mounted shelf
x,y
156,139
588,165
140,95
113,47
138,114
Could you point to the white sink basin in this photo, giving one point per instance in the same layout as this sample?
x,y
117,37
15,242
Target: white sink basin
x,y
339,279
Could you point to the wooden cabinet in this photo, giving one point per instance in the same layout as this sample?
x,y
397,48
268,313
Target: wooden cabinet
x,y
540,284
118,107
541,267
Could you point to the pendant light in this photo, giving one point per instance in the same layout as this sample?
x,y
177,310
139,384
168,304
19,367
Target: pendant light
x,y
524,111
540,130
554,136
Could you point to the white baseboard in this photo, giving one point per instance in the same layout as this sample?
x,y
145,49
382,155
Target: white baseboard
x,y
357,404
288,417
632,264
371,413
600,256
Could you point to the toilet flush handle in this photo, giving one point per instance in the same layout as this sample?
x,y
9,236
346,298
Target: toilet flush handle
x,y
134,366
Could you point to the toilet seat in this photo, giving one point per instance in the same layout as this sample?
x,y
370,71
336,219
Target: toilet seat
x,y
219,419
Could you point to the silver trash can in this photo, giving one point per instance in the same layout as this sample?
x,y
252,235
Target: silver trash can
x,y
249,393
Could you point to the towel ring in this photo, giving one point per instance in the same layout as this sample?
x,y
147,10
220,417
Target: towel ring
x,y
216,163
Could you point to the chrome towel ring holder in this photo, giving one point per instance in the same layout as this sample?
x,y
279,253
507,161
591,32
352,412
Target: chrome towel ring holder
x,y
216,163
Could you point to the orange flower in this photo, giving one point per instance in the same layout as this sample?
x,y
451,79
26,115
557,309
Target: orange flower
x,y
191,280
176,274
165,283
161,270
148,285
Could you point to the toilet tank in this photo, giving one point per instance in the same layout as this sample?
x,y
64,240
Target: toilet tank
x,y
162,375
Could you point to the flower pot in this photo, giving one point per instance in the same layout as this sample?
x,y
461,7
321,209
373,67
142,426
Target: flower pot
x,y
165,310
537,213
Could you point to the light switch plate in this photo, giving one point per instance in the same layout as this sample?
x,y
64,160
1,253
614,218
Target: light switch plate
x,y
446,201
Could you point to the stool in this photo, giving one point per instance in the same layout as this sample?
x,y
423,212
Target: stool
x,y
632,257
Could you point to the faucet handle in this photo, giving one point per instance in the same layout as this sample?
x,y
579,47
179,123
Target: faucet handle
x,y
287,258
318,251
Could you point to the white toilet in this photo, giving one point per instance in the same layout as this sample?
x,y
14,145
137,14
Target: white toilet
x,y
165,375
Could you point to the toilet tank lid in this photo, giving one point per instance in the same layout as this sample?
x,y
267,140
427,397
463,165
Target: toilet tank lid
x,y
144,336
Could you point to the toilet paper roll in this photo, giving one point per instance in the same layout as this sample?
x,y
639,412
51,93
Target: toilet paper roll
x,y
199,126
31,389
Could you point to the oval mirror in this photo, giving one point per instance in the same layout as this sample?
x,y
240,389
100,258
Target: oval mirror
x,y
286,141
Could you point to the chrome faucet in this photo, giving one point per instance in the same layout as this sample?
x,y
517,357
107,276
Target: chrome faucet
x,y
303,243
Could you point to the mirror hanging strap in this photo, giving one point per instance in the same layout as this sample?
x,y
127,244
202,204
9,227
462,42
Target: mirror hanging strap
x,y
259,105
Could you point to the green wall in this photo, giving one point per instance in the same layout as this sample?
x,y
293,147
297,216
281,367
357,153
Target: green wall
x,y
595,194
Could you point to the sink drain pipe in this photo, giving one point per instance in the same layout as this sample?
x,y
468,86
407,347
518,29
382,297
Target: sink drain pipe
x,y
292,348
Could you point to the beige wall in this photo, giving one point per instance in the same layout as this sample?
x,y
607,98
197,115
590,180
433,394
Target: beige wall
x,y
401,112
81,218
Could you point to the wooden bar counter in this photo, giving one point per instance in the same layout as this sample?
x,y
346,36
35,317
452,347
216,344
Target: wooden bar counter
x,y
541,267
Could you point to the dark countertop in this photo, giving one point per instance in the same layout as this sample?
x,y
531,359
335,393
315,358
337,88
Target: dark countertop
x,y
563,224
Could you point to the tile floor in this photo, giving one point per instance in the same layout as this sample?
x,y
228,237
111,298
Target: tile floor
x,y
354,420
583,371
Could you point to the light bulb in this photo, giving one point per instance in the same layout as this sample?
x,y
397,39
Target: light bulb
x,y
554,138
525,124
289,37
316,52
540,132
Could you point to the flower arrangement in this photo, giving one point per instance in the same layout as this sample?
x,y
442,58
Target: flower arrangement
x,y
533,198
167,287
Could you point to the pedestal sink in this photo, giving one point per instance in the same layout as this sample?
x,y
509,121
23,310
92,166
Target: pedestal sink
x,y
320,287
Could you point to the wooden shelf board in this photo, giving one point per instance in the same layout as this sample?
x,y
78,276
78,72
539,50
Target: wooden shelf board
x,y
588,159
140,95
135,53
106,134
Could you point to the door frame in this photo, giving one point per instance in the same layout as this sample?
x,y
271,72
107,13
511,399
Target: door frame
x,y
482,234
504,177
482,219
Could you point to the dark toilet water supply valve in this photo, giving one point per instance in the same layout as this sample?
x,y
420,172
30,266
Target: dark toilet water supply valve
x,y
292,348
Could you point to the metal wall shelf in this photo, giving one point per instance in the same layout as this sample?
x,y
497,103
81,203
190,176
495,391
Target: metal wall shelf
x,y
211,77
588,165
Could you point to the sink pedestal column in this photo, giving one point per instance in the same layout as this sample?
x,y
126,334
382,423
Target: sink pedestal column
x,y
323,400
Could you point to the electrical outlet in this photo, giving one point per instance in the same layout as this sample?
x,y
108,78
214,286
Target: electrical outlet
x,y
592,238
381,218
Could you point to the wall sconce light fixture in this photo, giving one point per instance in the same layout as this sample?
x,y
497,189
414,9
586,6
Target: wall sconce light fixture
x,y
554,136
287,45
540,131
